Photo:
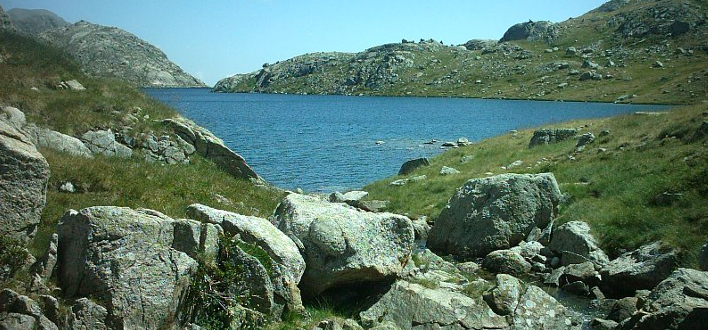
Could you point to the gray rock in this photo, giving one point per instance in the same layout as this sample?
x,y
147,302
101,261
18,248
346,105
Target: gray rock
x,y
17,321
703,257
45,265
73,85
494,213
448,171
87,315
111,52
23,181
678,302
125,259
584,272
657,64
370,206
421,228
601,324
534,31
623,309
336,197
341,245
575,244
469,267
104,143
504,298
590,75
193,238
411,165
288,264
571,51
548,136
643,268
403,182
528,250
22,307
50,307
584,140
506,262
355,195
409,306
257,285
211,147
14,117
46,138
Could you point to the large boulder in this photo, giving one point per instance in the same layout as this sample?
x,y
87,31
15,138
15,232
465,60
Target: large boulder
x,y
211,147
288,264
506,262
548,136
14,117
641,269
126,260
342,245
413,164
534,31
104,143
494,213
46,138
23,182
574,243
679,302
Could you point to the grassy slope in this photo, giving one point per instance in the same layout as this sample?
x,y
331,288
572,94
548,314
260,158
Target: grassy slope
x,y
614,190
110,181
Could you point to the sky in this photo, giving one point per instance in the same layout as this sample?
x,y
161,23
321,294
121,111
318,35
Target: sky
x,y
215,39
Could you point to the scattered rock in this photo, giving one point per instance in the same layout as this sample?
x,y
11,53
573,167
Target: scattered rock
x,y
341,245
411,165
506,262
72,85
355,195
643,268
575,244
86,314
23,181
463,141
590,75
504,298
583,141
623,309
657,64
104,143
494,213
548,136
448,171
403,182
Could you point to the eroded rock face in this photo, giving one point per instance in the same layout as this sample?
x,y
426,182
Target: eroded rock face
x,y
679,302
641,269
125,259
112,52
24,174
342,245
494,213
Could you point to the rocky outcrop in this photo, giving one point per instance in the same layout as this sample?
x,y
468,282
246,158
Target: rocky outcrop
x,y
211,147
127,260
533,31
494,213
413,164
112,52
46,138
548,136
287,263
23,182
679,302
104,143
574,243
35,21
641,269
20,312
659,19
342,245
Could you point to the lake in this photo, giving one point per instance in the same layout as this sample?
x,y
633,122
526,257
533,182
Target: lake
x,y
327,143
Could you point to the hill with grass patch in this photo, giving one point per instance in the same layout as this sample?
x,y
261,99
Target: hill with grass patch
x,y
624,51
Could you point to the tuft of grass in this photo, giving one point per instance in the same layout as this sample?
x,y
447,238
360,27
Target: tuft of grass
x,y
615,191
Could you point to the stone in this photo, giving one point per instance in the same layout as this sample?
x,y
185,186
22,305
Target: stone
x,y
370,205
703,257
46,138
494,213
407,304
504,298
657,64
125,259
256,284
553,278
469,267
571,51
529,250
533,31
411,165
463,141
46,264
211,147
584,272
342,245
336,197
14,308
104,143
355,195
421,228
577,288
87,315
678,302
623,309
448,171
14,117
584,140
74,85
17,321
288,263
506,262
643,268
548,136
601,324
590,75
50,307
574,243
538,310
23,183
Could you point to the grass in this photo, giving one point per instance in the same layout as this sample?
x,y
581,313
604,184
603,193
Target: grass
x,y
615,191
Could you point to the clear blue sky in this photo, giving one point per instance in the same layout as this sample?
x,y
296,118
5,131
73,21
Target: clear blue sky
x,y
214,39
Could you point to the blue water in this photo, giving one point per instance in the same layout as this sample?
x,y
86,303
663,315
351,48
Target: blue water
x,y
327,143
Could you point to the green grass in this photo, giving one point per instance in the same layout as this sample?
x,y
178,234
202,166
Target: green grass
x,y
613,191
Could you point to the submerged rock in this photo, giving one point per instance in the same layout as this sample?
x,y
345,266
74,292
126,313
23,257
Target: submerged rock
x,y
494,213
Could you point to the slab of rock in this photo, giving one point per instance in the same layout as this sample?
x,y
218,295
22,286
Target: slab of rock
x,y
211,147
574,243
125,259
288,264
548,136
678,302
104,143
504,298
23,183
46,138
13,116
640,269
494,213
413,164
342,245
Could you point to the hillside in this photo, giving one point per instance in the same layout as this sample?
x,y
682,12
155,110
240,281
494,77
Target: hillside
x,y
627,51
32,22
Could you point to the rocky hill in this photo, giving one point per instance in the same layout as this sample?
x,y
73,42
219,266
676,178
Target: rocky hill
x,y
613,53
35,21
111,52
5,21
